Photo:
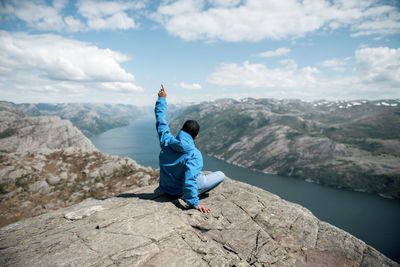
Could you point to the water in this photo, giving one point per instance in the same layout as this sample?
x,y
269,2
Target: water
x,y
371,218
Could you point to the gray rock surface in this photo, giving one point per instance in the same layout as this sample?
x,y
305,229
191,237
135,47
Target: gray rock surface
x,y
33,133
39,187
247,226
58,178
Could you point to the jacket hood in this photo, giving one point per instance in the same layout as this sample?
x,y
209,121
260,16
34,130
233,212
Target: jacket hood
x,y
183,143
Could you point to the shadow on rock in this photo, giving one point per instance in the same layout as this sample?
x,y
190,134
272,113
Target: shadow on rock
x,y
156,194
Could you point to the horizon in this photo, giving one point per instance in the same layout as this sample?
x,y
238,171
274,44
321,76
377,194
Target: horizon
x,y
119,52
196,103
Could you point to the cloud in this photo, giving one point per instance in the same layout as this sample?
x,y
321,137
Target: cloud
x,y
36,14
108,15
260,76
335,64
97,15
254,20
47,59
193,86
379,65
377,75
276,53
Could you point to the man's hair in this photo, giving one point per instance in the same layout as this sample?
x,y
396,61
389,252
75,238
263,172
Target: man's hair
x,y
191,127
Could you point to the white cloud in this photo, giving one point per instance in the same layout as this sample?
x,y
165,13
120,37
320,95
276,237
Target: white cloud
x,y
116,21
254,20
51,60
379,65
73,25
331,63
377,76
276,53
193,86
36,14
107,14
225,3
260,76
121,87
98,15
335,64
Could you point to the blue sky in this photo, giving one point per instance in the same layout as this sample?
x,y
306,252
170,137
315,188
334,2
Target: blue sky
x,y
121,51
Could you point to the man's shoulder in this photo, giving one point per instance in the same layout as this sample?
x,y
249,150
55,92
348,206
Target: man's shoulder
x,y
195,153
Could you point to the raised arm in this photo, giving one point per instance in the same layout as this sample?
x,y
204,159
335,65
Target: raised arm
x,y
164,134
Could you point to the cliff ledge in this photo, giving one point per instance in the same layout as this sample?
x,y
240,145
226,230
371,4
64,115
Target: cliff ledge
x,y
247,226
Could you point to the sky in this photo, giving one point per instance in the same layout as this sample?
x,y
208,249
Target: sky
x,y
121,51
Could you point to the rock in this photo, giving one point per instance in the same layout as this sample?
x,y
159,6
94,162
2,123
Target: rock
x,y
39,187
108,169
82,213
4,171
132,163
86,188
247,227
99,185
33,133
145,180
94,174
9,195
49,206
53,180
17,174
26,204
73,177
75,196
63,176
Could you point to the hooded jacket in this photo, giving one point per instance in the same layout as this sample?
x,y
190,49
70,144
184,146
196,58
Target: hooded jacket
x,y
180,161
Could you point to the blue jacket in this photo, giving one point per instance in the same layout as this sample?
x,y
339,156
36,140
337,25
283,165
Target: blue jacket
x,y
180,161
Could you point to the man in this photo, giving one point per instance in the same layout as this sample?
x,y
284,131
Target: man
x,y
180,161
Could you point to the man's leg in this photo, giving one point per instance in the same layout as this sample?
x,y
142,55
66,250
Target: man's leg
x,y
206,182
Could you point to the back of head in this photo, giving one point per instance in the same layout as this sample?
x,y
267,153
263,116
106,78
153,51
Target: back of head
x,y
191,127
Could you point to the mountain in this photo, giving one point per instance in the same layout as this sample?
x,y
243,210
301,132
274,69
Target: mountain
x,y
90,118
46,163
19,133
247,227
346,144
62,203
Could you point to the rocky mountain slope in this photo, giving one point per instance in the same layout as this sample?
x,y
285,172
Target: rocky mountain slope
x,y
36,181
353,144
47,163
90,118
247,227
30,133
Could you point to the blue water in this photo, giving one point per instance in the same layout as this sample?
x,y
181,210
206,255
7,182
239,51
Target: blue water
x,y
371,218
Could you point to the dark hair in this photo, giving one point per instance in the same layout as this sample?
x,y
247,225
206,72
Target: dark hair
x,y
191,127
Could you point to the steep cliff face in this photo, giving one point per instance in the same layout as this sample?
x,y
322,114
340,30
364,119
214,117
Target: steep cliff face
x,y
247,226
350,144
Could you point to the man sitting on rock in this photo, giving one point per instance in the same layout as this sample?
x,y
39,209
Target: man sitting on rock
x,y
180,161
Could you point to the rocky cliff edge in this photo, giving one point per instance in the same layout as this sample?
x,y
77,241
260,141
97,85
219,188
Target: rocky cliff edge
x,y
247,226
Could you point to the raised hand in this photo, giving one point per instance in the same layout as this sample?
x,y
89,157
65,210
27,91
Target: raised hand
x,y
162,92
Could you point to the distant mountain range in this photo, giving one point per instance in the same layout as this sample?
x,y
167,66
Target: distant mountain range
x,y
90,118
349,144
